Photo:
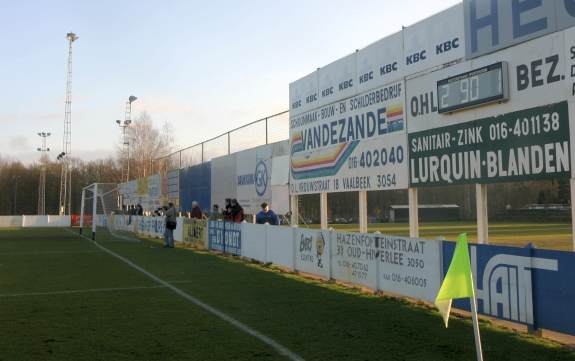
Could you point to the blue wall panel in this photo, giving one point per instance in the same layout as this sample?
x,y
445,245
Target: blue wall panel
x,y
195,185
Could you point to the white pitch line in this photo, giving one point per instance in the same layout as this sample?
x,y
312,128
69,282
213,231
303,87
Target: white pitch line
x,y
250,331
71,292
46,252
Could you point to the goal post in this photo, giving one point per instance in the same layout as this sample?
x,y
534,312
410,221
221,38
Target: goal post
x,y
101,209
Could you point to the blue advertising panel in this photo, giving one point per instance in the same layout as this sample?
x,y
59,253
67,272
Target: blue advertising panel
x,y
554,296
524,285
195,185
225,237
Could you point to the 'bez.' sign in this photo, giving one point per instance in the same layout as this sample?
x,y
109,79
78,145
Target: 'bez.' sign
x,y
523,145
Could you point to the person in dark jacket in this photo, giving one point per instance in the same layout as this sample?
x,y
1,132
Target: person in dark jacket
x,y
266,215
171,223
227,212
237,212
196,211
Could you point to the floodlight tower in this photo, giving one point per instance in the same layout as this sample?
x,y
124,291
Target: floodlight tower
x,y
125,140
66,175
42,182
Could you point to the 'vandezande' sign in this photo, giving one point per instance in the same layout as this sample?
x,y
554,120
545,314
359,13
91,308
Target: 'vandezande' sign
x,y
355,144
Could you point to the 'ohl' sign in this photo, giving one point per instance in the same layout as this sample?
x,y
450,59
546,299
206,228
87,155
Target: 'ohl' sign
x,y
492,25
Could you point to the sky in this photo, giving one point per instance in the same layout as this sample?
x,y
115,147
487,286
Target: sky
x,y
205,67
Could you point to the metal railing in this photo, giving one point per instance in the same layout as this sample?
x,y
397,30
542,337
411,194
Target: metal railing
x,y
267,130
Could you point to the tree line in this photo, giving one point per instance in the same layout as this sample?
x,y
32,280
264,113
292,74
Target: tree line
x,y
19,182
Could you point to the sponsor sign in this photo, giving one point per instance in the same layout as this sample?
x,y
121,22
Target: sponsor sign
x,y
354,258
380,63
537,76
225,237
303,94
434,41
194,232
351,145
523,145
337,80
409,266
253,177
525,285
492,25
313,252
570,70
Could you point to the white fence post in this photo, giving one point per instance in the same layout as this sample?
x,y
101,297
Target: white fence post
x,y
413,212
482,220
362,211
323,210
294,208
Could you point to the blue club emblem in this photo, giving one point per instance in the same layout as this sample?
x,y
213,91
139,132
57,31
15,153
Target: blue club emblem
x,y
261,178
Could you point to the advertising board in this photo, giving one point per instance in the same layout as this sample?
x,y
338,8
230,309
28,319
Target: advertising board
x,y
525,137
313,252
225,237
526,285
409,266
355,144
434,41
253,176
492,25
354,258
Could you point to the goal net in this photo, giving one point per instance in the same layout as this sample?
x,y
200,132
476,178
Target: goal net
x,y
101,214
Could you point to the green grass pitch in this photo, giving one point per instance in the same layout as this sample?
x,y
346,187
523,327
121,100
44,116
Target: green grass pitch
x,y
63,298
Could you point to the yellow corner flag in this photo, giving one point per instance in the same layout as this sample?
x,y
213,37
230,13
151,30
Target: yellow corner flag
x,y
458,282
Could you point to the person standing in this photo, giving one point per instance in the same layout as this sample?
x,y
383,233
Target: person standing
x,y
196,211
266,215
227,212
237,212
171,223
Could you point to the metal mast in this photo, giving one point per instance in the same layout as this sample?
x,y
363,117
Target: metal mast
x,y
66,174
42,180
125,138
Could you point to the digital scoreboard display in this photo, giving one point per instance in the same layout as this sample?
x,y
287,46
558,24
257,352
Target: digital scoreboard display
x,y
485,85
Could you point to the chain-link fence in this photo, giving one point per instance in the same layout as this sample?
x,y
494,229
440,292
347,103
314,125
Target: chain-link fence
x,y
271,129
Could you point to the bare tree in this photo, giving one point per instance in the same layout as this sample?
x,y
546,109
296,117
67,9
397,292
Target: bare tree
x,y
146,143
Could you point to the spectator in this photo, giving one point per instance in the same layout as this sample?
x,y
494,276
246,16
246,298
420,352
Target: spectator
x,y
227,212
171,224
215,212
196,211
139,210
237,212
266,215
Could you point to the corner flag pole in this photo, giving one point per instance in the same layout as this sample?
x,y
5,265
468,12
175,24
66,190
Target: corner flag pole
x,y
458,283
476,328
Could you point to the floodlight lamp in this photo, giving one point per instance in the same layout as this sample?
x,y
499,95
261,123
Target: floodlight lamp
x,y
118,121
132,99
128,121
48,134
39,149
40,134
71,37
47,149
